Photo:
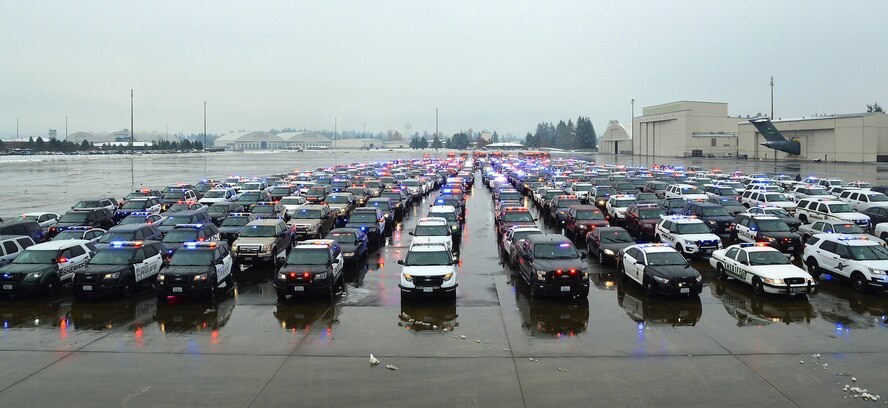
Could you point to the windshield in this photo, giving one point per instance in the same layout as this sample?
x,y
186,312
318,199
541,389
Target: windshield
x,y
616,237
839,208
307,214
308,256
410,183
280,190
431,231
86,204
263,209
623,203
519,235
517,216
449,216
393,196
868,253
291,201
190,257
134,219
715,212
215,194
178,236
249,197
590,215
604,191
135,205
650,213
692,228
74,217
582,187
777,211
427,258
317,191
877,198
665,258
343,237
35,256
113,257
68,235
690,190
179,207
725,191
730,203
382,205
563,250
776,198
235,221
510,196
759,258
363,217
28,218
848,229
772,226
175,220
219,209
258,231
174,195
112,236
338,199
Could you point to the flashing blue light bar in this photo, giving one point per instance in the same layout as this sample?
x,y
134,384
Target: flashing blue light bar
x,y
117,244
564,245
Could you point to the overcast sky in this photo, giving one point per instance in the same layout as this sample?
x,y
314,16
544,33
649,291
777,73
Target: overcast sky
x,y
499,65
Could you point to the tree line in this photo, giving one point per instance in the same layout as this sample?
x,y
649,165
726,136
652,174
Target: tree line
x,y
64,146
569,135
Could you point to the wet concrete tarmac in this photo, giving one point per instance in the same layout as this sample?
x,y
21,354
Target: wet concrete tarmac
x,y
618,347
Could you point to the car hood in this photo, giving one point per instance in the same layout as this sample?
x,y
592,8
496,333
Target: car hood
x,y
435,270
721,219
673,271
781,235
305,221
700,237
254,240
555,264
596,223
186,270
616,246
102,269
446,240
360,224
880,265
26,268
231,230
779,271
304,268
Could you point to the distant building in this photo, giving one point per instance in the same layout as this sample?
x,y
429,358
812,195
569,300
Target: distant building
x,y
857,137
684,129
358,143
615,137
306,141
486,135
140,138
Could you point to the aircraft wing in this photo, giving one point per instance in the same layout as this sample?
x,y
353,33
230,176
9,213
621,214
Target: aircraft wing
x,y
767,129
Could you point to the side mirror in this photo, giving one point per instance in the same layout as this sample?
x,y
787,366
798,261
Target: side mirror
x,y
583,255
219,262
411,233
639,262
335,261
400,262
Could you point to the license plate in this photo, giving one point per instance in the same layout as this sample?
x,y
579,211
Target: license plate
x,y
565,288
7,287
87,288
427,290
790,248
685,290
799,290
177,290
299,288
248,259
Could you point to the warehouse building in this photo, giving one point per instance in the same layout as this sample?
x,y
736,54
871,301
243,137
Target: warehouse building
x,y
266,141
305,141
615,137
685,129
858,138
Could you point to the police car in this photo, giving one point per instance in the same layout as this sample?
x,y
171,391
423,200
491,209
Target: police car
x,y
141,218
120,269
198,268
44,267
138,205
313,266
85,233
765,268
768,229
428,269
432,230
659,269
616,207
862,261
183,233
687,234
810,210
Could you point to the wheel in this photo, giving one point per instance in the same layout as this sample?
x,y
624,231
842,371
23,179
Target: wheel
x,y
803,218
52,285
657,238
649,288
813,267
212,293
281,295
720,272
128,288
806,237
858,281
680,250
884,236
758,287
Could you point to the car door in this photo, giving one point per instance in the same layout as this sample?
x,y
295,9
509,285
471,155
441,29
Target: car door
x,y
340,262
826,255
842,254
223,262
8,252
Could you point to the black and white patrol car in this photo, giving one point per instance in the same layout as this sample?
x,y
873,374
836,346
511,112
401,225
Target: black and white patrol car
x,y
183,233
120,269
313,266
862,261
199,268
768,229
763,267
660,269
44,267
688,235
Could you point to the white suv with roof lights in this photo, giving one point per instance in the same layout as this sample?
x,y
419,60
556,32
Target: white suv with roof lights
x,y
863,261
689,235
428,269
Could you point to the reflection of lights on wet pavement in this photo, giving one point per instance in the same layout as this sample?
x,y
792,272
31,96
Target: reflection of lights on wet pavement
x,y
842,330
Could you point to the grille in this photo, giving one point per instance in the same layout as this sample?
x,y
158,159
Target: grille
x,y
707,243
85,278
685,282
245,249
794,281
175,278
428,280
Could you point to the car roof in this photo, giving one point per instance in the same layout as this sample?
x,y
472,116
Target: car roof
x,y
682,219
6,237
266,222
848,239
431,220
128,227
55,245
442,208
548,238
654,248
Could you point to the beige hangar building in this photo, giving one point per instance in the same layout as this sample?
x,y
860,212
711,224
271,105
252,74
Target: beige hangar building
x,y
685,129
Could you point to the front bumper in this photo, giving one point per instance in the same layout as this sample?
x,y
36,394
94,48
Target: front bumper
x,y
428,291
790,289
184,287
23,287
562,288
677,287
302,288
96,287
253,258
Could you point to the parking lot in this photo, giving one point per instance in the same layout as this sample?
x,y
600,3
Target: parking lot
x,y
493,346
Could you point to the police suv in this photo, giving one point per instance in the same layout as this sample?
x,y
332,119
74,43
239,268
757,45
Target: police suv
x,y
44,267
428,269
616,207
120,269
688,235
862,261
198,268
765,268
810,210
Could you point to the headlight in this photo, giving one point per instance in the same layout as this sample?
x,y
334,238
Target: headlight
x,y
660,279
348,254
160,278
234,247
699,278
809,280
609,252
770,239
35,275
114,275
773,281
322,275
282,276
447,277
582,226
541,275
200,278
711,222
876,272
408,277
454,227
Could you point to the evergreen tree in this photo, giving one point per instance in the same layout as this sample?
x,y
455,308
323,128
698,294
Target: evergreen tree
x,y
436,142
31,142
423,143
2,145
414,142
874,108
459,141
494,138
40,145
447,143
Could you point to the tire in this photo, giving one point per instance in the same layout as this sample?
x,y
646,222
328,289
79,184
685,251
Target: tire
x,y
806,237
884,236
212,293
128,288
813,267
533,291
758,287
720,272
649,288
858,282
680,250
281,295
52,285
657,238
161,297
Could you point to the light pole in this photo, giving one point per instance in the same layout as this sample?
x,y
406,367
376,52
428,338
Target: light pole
x,y
205,139
132,151
772,118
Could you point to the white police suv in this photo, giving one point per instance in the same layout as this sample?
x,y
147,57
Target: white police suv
x,y
688,235
863,261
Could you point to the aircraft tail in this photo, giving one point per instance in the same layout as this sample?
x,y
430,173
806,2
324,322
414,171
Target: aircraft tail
x,y
767,129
